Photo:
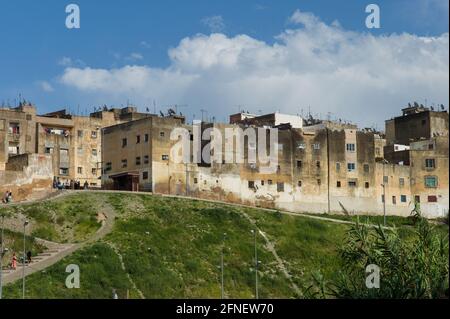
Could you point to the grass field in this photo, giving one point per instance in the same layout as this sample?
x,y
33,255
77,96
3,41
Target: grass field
x,y
171,248
71,219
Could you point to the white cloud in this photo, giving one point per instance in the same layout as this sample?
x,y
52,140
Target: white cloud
x,y
214,23
133,57
356,76
66,62
145,44
46,86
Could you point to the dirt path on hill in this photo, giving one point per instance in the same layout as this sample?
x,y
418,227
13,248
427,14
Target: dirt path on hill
x,y
63,250
108,223
133,284
270,246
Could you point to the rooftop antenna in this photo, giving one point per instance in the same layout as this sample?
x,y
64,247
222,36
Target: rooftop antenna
x,y
179,106
154,107
203,112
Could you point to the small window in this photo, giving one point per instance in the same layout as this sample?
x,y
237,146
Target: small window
x,y
162,134
316,146
366,185
270,182
146,138
80,133
94,171
299,164
144,175
138,160
146,159
338,167
385,179
165,157
382,198
394,200
431,181
299,183
108,166
93,134
351,147
251,184
352,183
432,199
124,142
195,180
430,146
262,183
319,182
280,187
63,171
318,164
377,151
351,167
301,146
417,198
366,168
338,184
430,163
94,152
401,182
403,198
124,163
138,139
80,170
49,150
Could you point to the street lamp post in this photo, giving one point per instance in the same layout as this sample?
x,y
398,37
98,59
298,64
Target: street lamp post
x,y
256,265
222,267
1,257
23,261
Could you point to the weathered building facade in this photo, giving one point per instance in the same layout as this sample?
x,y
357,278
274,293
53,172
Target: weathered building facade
x,y
72,142
320,168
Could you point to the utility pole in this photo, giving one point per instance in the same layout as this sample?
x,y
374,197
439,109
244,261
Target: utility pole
x,y
384,192
23,261
187,179
328,170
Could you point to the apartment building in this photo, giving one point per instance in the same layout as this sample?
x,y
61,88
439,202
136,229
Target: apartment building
x,y
136,156
322,168
73,142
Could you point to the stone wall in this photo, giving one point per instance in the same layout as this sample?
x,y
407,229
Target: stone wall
x,y
29,174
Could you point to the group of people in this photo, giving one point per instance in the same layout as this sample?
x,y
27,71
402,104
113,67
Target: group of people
x,y
57,184
7,197
14,260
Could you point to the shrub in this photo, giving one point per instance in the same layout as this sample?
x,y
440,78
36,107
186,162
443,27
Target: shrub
x,y
416,267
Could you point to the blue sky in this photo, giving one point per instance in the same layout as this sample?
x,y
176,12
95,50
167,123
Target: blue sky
x,y
36,48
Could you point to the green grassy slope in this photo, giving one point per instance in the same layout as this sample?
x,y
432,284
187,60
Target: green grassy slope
x,y
171,249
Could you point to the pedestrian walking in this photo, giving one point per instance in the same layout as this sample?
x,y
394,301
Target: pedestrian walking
x,y
14,261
